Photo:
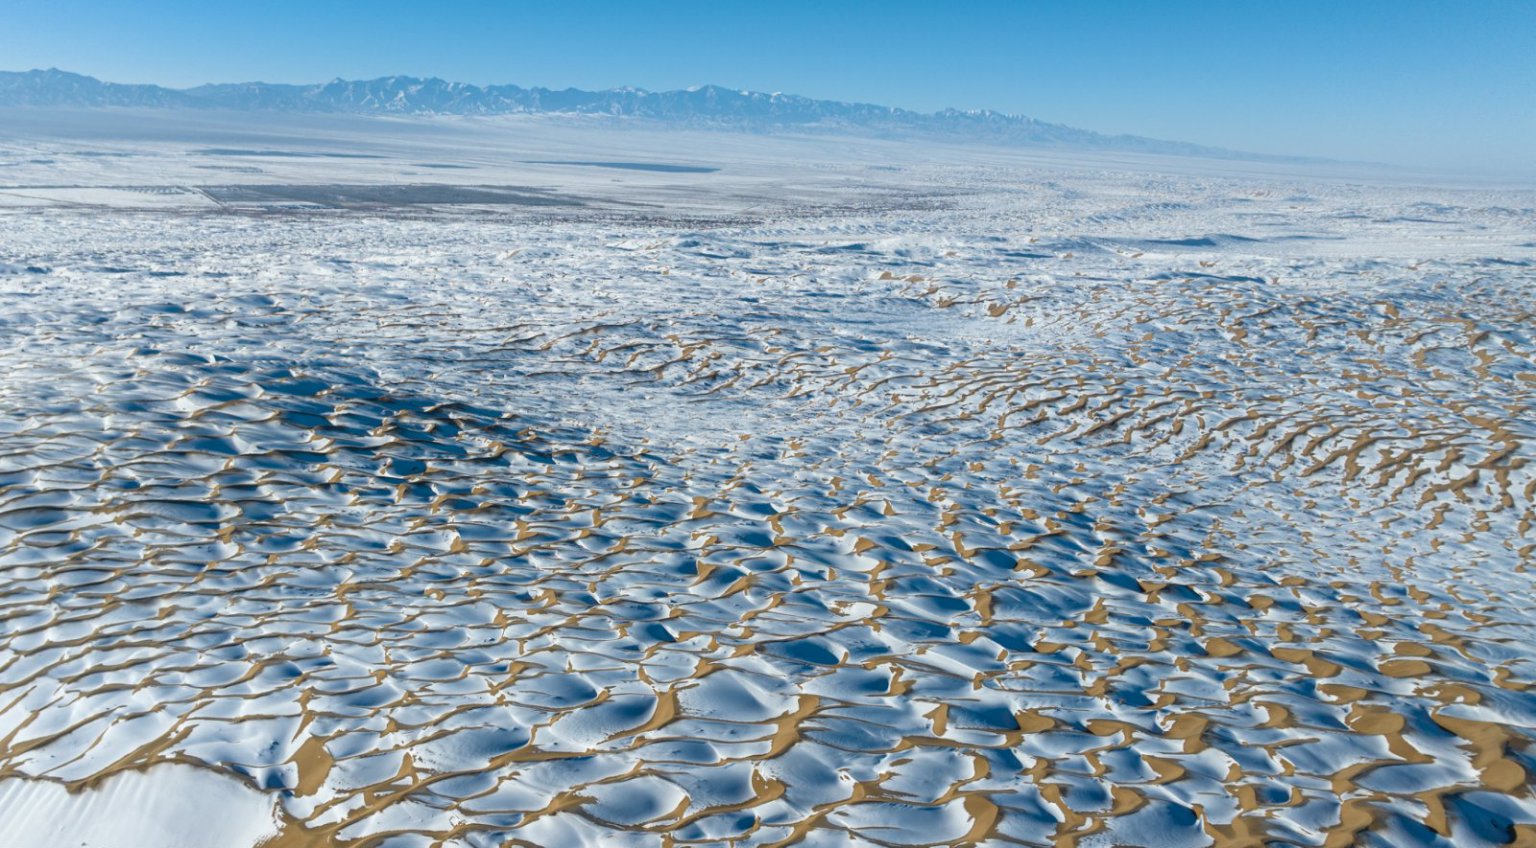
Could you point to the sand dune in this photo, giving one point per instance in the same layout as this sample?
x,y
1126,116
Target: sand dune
x,y
167,806
981,502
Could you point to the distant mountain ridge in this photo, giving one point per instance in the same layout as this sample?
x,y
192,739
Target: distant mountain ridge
x,y
704,105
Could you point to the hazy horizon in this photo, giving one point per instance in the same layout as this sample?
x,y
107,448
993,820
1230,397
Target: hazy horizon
x,y
1411,84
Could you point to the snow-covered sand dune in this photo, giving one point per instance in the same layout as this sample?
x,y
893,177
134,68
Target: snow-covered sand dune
x,y
165,806
793,492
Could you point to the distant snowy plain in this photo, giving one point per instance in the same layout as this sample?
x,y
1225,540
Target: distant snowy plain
x,y
521,481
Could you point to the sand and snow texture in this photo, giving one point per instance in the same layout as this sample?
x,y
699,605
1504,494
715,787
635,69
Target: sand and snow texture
x,y
886,497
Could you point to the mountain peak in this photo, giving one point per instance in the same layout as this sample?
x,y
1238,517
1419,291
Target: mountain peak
x,y
707,105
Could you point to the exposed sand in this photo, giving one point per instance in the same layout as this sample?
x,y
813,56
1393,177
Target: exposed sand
x,y
982,500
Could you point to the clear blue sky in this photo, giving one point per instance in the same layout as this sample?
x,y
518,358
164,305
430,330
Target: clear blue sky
x,y
1439,83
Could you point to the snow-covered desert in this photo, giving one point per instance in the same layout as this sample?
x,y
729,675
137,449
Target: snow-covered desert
x,y
486,481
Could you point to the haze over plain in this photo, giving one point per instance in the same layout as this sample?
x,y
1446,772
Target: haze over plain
x,y
1417,83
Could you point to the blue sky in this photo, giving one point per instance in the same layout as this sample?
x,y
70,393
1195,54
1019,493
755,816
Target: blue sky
x,y
1438,83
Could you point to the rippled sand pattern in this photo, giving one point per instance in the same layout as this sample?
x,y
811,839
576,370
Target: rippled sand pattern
x,y
1054,518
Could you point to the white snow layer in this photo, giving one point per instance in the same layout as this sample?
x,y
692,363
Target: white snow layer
x,y
167,806
545,483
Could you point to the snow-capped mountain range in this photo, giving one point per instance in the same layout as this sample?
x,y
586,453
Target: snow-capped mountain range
x,y
708,105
